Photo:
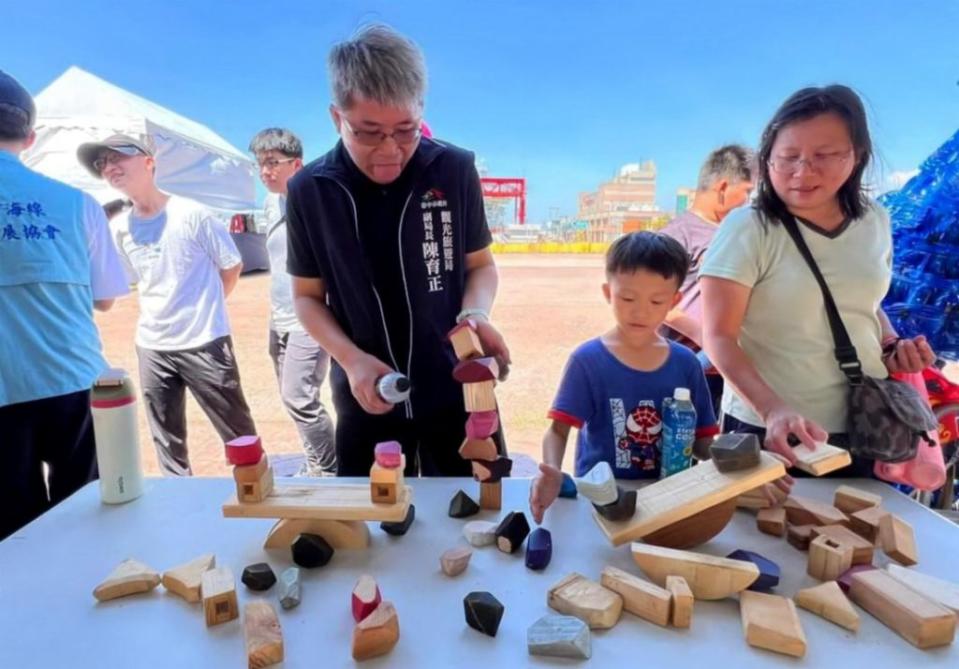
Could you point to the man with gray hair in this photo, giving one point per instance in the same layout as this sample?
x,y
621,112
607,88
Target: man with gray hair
x,y
725,182
299,362
389,249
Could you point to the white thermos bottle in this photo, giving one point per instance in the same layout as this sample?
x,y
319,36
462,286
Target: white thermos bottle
x,y
114,410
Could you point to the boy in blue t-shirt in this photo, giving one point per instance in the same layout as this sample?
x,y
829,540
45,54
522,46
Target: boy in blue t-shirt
x,y
613,386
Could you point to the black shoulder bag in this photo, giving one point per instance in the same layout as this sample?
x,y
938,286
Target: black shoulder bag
x,y
887,418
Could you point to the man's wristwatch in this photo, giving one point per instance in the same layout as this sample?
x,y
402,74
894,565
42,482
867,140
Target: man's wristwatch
x,y
469,313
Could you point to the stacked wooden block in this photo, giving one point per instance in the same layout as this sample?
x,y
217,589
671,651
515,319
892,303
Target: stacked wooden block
x,y
386,474
478,375
251,469
377,625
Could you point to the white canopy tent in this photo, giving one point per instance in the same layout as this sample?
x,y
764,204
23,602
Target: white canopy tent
x,y
192,160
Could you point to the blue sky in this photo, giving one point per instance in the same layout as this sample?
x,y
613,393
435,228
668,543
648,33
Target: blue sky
x,y
559,92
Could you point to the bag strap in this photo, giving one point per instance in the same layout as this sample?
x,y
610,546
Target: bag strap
x,y
844,350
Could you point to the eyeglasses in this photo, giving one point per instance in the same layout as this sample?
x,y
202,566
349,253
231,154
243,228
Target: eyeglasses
x,y
272,163
113,157
377,137
822,162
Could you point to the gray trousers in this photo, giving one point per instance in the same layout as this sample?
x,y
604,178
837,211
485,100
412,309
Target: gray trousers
x,y
301,365
212,375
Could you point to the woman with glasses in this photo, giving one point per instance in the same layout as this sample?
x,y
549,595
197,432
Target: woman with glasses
x,y
765,323
389,249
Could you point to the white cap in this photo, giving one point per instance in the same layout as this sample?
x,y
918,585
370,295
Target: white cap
x,y
681,394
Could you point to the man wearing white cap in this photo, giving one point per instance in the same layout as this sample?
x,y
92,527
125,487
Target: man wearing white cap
x,y
184,264
57,264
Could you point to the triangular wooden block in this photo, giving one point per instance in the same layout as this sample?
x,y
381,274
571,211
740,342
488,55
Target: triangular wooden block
x,y
828,601
771,622
129,578
185,580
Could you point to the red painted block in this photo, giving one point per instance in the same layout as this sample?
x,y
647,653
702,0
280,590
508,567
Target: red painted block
x,y
482,424
246,450
388,454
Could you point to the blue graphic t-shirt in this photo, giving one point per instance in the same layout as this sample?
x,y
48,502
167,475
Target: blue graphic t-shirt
x,y
618,409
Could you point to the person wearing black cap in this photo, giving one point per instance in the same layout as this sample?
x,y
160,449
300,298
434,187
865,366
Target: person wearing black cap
x,y
57,264
184,263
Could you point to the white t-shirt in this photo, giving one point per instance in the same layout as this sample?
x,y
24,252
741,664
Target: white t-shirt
x,y
175,259
282,314
785,331
107,278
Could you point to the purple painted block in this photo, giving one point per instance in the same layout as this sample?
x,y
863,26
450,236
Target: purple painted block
x,y
482,424
539,548
845,580
768,570
388,454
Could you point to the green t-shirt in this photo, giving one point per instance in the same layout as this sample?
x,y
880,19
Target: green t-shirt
x,y
785,331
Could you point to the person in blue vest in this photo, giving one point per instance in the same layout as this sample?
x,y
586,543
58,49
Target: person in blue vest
x,y
57,264
389,250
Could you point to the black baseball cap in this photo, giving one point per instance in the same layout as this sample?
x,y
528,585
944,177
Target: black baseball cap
x,y
17,111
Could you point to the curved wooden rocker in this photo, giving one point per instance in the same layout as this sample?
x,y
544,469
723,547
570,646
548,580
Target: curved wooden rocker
x,y
340,534
709,577
695,530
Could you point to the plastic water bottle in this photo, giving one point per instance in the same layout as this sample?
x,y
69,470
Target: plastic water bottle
x,y
114,411
679,433
393,387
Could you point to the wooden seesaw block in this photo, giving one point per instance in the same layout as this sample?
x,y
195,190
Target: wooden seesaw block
x,y
708,577
826,458
686,494
322,501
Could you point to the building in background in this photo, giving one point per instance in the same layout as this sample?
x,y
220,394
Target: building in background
x,y
625,203
684,199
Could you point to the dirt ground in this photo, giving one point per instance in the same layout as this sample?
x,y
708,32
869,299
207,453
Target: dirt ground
x,y
546,306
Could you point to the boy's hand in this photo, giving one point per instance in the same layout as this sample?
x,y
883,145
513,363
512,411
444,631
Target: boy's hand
x,y
544,490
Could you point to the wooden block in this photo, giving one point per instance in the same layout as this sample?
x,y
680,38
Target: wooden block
x,y
389,454
641,598
681,602
377,633
772,521
512,531
919,620
799,536
578,596
454,561
559,636
329,501
490,471
491,495
826,458
476,370
127,578
386,482
828,601
622,509
708,577
686,494
245,450
218,590
482,424
936,589
898,540
479,396
695,530
849,500
480,532
185,580
862,550
828,558
478,449
256,491
598,484
264,637
771,622
732,452
251,473
865,523
802,511
365,598
764,497
466,343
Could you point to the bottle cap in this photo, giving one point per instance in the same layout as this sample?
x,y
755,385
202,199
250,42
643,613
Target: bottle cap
x,y
681,394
